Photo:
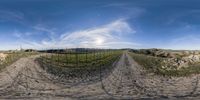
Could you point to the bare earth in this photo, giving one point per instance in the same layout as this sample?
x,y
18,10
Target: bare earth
x,y
25,79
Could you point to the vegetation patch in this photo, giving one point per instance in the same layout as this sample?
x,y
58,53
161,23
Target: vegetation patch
x,y
77,65
158,65
11,57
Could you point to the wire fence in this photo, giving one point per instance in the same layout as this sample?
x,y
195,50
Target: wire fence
x,y
77,66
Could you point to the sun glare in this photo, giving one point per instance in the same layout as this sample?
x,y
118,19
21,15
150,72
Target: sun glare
x,y
99,41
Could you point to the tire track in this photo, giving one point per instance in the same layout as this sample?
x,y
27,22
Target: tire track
x,y
25,79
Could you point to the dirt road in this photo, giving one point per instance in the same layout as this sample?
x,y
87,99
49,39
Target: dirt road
x,y
25,79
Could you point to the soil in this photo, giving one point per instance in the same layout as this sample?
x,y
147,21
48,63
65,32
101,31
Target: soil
x,y
25,79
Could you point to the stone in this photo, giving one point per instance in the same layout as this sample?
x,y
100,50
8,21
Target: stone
x,y
186,53
2,56
195,52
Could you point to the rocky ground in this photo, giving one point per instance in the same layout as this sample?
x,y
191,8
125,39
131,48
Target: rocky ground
x,y
172,59
2,57
25,79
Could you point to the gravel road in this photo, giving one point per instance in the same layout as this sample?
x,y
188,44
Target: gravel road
x,y
25,79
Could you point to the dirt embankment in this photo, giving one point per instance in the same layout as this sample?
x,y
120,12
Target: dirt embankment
x,y
26,79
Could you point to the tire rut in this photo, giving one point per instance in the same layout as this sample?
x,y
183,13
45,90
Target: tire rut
x,y
127,80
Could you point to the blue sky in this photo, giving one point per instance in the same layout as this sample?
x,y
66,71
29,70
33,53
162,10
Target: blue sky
x,y
42,24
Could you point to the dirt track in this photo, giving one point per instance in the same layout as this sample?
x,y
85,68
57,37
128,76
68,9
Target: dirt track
x,y
26,79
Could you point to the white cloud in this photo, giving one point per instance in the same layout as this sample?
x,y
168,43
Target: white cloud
x,y
7,15
21,35
100,37
41,28
189,42
111,35
17,34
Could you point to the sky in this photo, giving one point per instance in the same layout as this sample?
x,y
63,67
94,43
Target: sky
x,y
43,24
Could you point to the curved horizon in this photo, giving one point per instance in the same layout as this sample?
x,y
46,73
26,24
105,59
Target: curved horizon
x,y
36,24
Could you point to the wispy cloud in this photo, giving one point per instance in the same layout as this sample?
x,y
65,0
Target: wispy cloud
x,y
42,28
17,34
11,15
110,35
21,35
116,5
127,10
188,42
177,17
101,36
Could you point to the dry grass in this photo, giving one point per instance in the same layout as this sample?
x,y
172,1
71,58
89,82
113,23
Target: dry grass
x,y
12,57
76,64
154,64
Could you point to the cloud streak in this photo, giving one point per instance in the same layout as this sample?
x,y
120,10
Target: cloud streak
x,y
188,42
110,35
99,36
7,15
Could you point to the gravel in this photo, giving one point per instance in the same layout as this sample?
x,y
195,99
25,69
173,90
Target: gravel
x,y
25,79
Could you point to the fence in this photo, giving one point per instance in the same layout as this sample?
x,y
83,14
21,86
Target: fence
x,y
77,66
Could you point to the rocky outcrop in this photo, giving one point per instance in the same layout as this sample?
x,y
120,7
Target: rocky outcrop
x,y
178,63
166,53
2,57
173,59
